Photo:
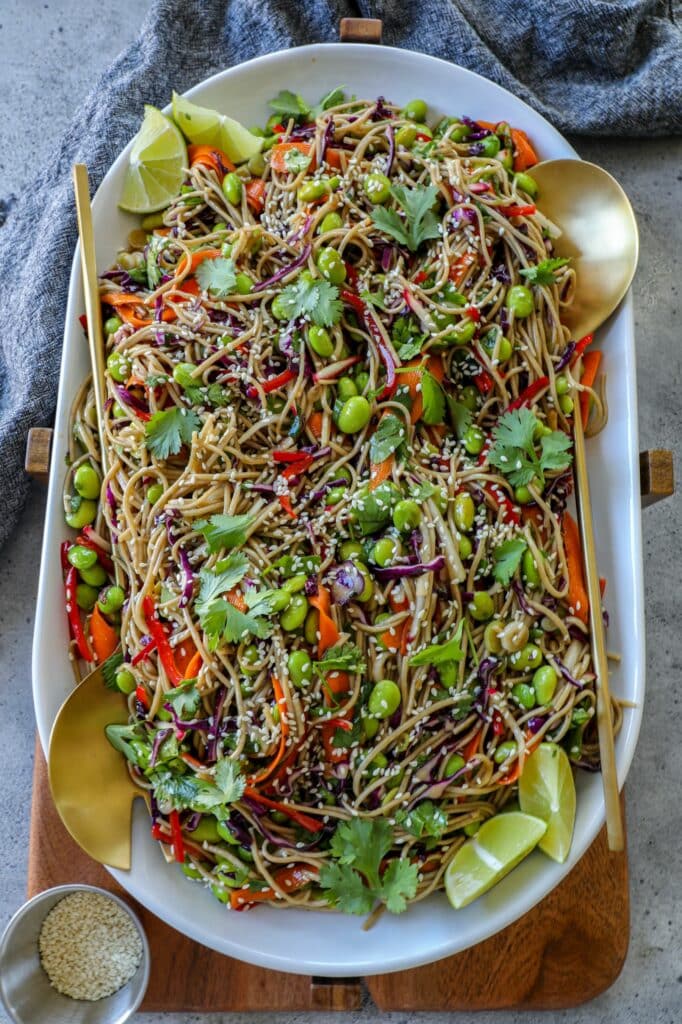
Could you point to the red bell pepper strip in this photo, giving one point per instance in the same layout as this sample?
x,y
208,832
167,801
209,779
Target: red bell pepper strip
x,y
157,634
304,820
353,300
581,346
423,137
498,723
285,502
102,557
63,555
510,513
484,382
473,313
74,615
143,653
142,695
389,365
336,755
274,384
176,833
292,456
351,273
420,277
529,393
518,211
290,879
83,321
160,835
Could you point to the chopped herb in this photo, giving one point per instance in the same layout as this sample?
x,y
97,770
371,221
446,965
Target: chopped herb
x,y
420,222
343,658
433,398
544,273
314,300
460,416
169,429
507,558
355,881
222,531
426,819
437,654
217,276
225,577
109,669
389,437
514,452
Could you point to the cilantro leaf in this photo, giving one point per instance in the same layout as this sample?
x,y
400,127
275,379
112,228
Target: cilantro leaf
x,y
544,273
169,429
184,699
296,160
217,276
460,417
426,819
215,582
314,300
222,531
155,246
355,882
289,104
332,99
222,621
420,222
514,454
407,338
229,780
120,736
109,669
373,510
423,491
433,398
347,738
507,558
389,437
341,658
437,654
374,299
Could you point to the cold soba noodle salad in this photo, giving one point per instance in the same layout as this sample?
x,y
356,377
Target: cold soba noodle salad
x,y
351,615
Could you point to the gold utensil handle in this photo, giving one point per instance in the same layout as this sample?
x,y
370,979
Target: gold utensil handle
x,y
614,819
360,30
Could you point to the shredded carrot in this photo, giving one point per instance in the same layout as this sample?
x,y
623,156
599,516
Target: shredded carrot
x,y
329,634
104,637
577,594
184,655
255,194
315,423
209,156
278,158
284,733
472,746
591,362
413,378
236,599
524,154
192,670
125,305
195,260
460,268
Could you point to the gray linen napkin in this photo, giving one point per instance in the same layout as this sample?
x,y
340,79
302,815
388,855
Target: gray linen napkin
x,y
590,66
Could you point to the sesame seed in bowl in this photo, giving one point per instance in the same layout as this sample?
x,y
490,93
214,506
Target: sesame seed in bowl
x,y
73,953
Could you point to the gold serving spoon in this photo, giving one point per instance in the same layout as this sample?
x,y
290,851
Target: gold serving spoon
x,y
599,235
91,787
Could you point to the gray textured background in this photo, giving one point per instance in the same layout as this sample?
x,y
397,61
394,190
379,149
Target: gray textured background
x,y
50,56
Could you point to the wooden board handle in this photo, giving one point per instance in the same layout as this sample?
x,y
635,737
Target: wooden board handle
x,y
38,449
360,30
656,475
335,993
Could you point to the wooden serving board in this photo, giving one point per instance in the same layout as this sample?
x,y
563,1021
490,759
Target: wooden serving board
x,y
565,951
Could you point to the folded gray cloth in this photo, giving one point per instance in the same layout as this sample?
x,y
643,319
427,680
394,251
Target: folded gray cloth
x,y
590,66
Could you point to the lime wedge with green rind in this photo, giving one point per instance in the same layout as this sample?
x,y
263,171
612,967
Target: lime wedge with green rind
x,y
157,163
547,791
498,846
205,127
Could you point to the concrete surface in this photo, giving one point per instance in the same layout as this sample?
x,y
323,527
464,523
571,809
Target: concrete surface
x,y
50,56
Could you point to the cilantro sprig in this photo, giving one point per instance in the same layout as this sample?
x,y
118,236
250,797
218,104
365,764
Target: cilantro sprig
x,y
507,558
545,272
341,658
419,223
515,452
314,300
389,437
290,104
169,429
217,276
355,881
223,531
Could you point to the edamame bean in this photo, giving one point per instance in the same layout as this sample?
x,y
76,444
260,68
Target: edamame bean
x,y
462,332
482,606
112,324
300,668
545,679
336,495
86,481
250,657
406,515
354,415
530,656
385,551
125,680
369,583
491,637
526,184
490,145
522,496
562,384
351,549
566,404
468,396
95,575
311,627
473,440
472,828
295,583
346,388
370,727
232,188
505,751
82,515
524,694
118,366
460,132
384,699
280,307
454,764
281,600
415,110
206,830
81,557
406,135
154,493
309,191
529,569
320,341
243,284
520,301
331,266
111,599
377,187
86,596
182,375
294,615
465,548
464,512
256,164
330,222
361,381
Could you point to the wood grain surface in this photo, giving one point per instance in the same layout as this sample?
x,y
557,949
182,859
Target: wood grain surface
x,y
565,951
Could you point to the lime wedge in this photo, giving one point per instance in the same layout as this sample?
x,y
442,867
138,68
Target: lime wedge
x,y
158,159
206,127
547,790
497,847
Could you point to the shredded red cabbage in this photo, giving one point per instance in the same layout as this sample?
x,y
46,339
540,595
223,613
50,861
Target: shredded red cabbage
x,y
129,399
284,271
347,582
568,675
391,149
161,736
395,572
566,357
